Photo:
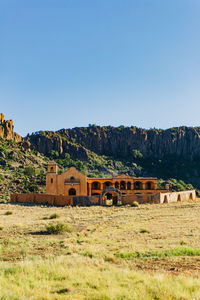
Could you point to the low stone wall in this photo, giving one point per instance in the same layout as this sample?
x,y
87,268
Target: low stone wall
x,y
56,199
141,198
95,200
177,196
86,200
160,197
42,199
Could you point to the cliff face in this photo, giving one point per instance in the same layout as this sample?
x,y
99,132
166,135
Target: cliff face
x,y
119,142
6,130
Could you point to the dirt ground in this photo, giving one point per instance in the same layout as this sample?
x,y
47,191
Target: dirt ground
x,y
105,233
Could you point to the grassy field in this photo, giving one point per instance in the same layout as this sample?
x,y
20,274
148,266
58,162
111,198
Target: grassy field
x,y
105,253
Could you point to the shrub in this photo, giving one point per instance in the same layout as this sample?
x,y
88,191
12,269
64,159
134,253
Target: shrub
x,y
135,204
29,171
54,216
136,154
8,213
1,227
58,228
144,230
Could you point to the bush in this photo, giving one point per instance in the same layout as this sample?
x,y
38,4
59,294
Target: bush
x,y
144,231
54,216
58,228
136,154
8,213
29,171
135,204
1,227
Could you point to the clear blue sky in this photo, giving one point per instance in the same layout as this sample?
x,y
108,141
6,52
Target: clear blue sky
x,y
68,63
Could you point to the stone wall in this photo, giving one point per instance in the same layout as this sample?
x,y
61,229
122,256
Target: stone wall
x,y
141,198
59,200
160,197
95,200
178,196
42,199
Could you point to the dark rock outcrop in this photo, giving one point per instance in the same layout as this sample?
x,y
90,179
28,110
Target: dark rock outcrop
x,y
119,142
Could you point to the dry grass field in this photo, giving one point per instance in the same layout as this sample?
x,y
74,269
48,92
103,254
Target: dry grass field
x,y
105,253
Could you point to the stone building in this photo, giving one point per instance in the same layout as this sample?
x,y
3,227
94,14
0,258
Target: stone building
x,y
74,183
74,188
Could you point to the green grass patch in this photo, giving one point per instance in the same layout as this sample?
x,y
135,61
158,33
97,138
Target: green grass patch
x,y
161,254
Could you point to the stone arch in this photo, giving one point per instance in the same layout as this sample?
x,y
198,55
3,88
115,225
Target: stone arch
x,y
149,185
95,185
107,184
122,185
72,192
179,197
111,190
138,185
128,185
117,185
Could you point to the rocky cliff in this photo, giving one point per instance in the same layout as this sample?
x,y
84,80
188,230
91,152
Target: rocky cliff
x,y
119,142
7,130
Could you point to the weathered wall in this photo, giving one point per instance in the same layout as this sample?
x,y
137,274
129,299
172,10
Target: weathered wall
x,y
178,196
55,199
95,200
142,198
42,199
160,197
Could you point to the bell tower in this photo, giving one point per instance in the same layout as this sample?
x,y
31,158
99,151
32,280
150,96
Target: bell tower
x,y
52,168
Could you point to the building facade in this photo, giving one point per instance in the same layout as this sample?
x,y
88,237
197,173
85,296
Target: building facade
x,y
74,183
74,188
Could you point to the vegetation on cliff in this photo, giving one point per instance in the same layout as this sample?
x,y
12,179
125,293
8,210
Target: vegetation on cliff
x,y
172,155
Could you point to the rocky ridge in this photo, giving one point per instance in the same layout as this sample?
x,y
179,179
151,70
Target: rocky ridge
x,y
119,142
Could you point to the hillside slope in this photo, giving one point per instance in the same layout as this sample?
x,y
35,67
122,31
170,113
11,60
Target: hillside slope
x,y
168,154
172,155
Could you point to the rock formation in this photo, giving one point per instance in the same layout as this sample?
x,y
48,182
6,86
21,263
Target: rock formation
x,y
7,130
120,141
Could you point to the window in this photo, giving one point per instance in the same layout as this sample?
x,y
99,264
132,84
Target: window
x,y
52,170
51,180
72,178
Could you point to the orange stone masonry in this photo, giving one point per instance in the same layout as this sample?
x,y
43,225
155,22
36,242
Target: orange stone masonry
x,y
74,188
73,182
